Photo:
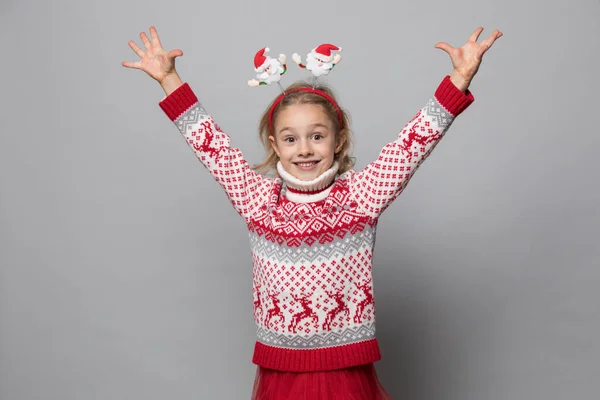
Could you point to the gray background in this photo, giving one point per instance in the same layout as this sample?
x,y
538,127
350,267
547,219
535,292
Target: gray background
x,y
125,273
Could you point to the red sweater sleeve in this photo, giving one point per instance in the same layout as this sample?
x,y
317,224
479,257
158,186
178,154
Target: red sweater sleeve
x,y
245,188
382,181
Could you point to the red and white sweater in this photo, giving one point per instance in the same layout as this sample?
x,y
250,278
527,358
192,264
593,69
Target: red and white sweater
x,y
312,243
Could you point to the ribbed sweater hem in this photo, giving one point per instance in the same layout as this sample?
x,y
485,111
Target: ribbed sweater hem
x,y
451,98
312,360
178,102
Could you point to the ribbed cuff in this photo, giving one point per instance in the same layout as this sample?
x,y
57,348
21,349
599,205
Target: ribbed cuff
x,y
325,359
178,102
452,98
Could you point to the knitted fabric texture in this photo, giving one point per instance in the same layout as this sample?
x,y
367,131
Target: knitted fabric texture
x,y
312,256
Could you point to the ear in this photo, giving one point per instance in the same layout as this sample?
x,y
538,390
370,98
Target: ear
x,y
340,141
274,144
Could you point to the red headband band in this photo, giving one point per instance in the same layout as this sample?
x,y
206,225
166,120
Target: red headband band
x,y
310,90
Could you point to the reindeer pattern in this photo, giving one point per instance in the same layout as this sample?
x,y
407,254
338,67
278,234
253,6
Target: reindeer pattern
x,y
274,313
415,139
321,310
207,143
367,290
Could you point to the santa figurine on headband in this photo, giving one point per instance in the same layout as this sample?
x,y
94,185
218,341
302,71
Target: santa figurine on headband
x,y
320,60
269,70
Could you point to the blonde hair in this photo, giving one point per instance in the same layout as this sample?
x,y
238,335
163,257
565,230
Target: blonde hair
x,y
342,132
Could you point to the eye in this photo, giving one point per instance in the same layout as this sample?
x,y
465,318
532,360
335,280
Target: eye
x,y
317,136
289,139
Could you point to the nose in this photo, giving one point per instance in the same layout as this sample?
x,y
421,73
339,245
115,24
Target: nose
x,y
304,149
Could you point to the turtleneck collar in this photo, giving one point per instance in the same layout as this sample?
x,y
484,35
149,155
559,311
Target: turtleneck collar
x,y
301,191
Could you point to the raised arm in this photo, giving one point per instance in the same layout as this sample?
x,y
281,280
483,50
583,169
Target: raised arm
x,y
382,181
245,188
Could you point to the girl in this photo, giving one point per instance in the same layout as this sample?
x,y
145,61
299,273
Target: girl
x,y
312,228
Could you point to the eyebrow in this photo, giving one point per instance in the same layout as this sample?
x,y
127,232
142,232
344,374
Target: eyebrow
x,y
315,125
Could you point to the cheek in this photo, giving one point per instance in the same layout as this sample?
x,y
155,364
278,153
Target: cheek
x,y
326,152
285,150
331,146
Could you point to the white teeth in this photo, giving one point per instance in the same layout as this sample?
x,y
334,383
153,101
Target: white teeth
x,y
306,164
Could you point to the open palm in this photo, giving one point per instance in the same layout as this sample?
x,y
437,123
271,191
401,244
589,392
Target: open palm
x,y
155,61
466,59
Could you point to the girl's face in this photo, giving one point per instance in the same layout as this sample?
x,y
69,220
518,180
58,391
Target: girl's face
x,y
304,140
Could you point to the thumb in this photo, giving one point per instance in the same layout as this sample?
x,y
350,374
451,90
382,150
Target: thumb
x,y
444,46
175,53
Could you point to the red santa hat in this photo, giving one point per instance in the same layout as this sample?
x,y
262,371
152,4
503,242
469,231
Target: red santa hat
x,y
261,60
324,51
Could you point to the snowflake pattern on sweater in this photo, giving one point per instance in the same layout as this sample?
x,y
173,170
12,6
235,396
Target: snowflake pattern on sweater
x,y
312,261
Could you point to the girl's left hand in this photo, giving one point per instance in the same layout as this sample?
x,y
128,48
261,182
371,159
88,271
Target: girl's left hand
x,y
466,59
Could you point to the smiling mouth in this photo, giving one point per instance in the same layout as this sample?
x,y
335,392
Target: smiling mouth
x,y
306,164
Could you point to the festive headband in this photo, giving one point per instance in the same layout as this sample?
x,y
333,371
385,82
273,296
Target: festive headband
x,y
319,62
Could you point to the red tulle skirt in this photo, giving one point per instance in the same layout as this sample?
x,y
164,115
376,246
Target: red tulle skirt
x,y
355,383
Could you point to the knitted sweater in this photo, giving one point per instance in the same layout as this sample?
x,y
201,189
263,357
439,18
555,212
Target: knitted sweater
x,y
312,243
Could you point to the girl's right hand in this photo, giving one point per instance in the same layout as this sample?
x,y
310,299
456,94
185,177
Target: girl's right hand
x,y
155,61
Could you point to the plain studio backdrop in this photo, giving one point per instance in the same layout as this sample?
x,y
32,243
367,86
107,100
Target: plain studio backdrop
x,y
126,274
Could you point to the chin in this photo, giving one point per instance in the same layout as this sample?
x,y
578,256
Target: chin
x,y
308,178
304,175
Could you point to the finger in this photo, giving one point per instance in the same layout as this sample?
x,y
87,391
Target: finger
x,y
481,52
154,35
444,46
175,53
476,34
145,40
136,49
489,41
498,36
129,64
